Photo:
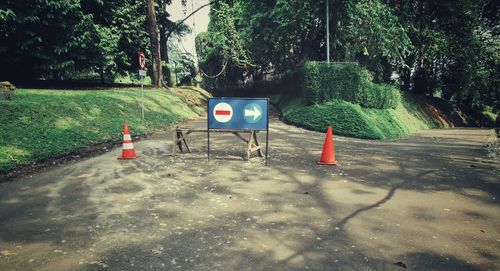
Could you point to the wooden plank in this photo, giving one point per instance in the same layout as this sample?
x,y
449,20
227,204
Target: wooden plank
x,y
174,142
240,137
256,148
259,151
179,140
182,140
185,143
193,130
249,146
215,130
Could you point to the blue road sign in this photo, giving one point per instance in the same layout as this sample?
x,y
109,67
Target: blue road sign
x,y
238,114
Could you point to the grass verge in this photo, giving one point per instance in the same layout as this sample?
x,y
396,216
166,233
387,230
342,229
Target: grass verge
x,y
39,124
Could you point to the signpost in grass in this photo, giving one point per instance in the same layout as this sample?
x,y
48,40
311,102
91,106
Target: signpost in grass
x,y
142,74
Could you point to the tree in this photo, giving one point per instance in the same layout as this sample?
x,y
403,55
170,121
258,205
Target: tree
x,y
453,41
157,73
247,39
446,48
120,30
163,28
375,38
39,39
182,64
276,36
226,53
63,39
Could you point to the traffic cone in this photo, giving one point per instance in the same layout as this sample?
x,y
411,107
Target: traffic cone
x,y
128,151
328,154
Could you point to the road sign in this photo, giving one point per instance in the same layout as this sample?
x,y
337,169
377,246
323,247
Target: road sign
x,y
142,60
142,73
252,113
223,112
238,114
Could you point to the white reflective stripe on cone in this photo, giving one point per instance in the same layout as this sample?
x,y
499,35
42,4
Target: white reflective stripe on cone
x,y
128,146
127,137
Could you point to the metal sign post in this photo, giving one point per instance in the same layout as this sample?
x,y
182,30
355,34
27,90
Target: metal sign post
x,y
142,74
142,95
240,115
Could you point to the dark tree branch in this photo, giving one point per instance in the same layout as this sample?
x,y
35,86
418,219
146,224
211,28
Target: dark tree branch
x,y
187,17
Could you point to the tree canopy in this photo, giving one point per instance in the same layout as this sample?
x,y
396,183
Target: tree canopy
x,y
432,47
61,39
447,48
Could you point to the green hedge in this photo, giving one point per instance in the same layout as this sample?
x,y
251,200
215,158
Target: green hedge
x,y
321,82
381,96
346,119
353,120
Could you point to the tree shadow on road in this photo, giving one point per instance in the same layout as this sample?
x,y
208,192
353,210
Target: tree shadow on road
x,y
163,212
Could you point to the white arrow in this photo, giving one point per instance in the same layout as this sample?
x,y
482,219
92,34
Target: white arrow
x,y
255,113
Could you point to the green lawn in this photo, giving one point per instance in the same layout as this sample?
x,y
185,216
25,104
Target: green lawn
x,y
38,124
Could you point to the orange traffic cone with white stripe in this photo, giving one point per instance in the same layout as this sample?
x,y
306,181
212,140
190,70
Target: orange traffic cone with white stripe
x,y
128,151
328,154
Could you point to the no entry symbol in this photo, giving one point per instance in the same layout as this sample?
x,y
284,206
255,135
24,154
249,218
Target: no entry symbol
x,y
223,112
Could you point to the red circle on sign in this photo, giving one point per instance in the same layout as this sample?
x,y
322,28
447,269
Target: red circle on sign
x,y
142,60
223,112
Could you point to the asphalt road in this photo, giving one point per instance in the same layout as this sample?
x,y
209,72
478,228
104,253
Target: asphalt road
x,y
427,202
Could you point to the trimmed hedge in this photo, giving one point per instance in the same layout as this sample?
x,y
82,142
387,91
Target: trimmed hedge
x,y
347,119
381,96
353,120
321,82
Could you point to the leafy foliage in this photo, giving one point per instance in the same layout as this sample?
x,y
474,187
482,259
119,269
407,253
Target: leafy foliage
x,y
437,48
441,48
381,96
181,65
280,34
61,38
322,82
375,37
220,49
453,50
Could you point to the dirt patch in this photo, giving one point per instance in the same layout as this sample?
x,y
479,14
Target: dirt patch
x,y
443,112
61,160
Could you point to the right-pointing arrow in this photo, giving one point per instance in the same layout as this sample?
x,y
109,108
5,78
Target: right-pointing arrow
x,y
255,113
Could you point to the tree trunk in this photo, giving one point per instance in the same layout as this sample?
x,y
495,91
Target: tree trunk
x,y
101,72
164,46
155,44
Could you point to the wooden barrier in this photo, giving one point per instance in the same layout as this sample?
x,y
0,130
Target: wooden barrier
x,y
180,139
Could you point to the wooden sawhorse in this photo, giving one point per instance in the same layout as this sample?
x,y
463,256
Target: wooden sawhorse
x,y
181,134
